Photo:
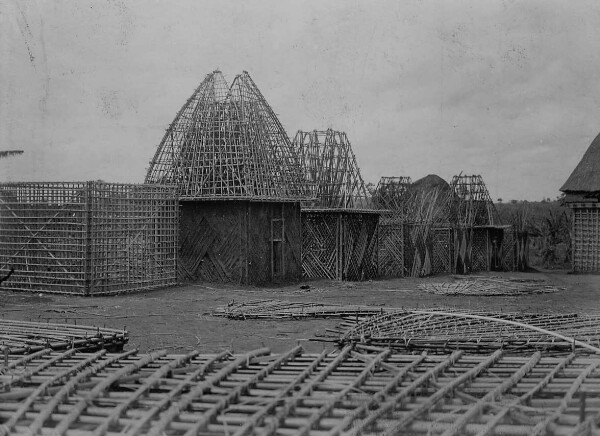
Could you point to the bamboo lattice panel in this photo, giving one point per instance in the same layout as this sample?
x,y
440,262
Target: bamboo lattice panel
x,y
276,309
440,330
471,285
87,238
227,143
480,254
442,251
23,337
362,391
509,250
391,250
339,245
586,239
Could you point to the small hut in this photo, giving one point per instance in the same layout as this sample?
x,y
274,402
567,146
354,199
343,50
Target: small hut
x,y
339,226
582,190
239,184
481,242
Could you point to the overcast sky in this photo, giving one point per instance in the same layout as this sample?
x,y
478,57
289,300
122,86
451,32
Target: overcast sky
x,y
506,89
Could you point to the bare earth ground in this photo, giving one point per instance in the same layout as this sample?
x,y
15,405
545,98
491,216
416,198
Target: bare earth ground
x,y
178,318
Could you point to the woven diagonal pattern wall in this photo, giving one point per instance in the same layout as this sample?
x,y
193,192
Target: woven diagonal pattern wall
x,y
391,250
87,238
480,250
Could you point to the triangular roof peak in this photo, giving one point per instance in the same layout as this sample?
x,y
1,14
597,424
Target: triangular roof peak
x,y
586,175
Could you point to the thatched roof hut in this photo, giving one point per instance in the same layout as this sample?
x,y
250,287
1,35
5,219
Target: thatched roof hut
x,y
582,190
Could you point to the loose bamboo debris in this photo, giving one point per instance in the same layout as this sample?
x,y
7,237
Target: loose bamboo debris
x,y
227,143
490,286
24,337
442,330
360,391
279,309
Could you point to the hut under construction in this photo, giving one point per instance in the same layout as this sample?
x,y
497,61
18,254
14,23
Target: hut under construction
x,y
239,184
480,241
339,225
582,190
432,227
390,196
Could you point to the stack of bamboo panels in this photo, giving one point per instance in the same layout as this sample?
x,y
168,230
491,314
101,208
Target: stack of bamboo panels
x,y
361,391
278,309
24,337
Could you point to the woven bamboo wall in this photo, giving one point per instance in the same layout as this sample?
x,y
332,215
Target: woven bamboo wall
x,y
586,239
391,248
339,245
87,238
427,250
239,241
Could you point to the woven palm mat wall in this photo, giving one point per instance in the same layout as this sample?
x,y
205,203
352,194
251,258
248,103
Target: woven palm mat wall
x,y
440,330
23,337
366,391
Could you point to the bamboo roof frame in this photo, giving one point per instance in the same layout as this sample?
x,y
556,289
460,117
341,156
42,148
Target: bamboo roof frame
x,y
358,390
391,192
471,202
331,171
226,143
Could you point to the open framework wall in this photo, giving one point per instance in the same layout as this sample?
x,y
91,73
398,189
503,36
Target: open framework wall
x,y
586,237
240,241
339,245
88,238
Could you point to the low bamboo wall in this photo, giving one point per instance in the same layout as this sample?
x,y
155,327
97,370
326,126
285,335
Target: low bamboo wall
x,y
87,238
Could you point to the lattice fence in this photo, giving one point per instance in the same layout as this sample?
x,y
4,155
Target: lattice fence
x,y
87,238
586,239
356,391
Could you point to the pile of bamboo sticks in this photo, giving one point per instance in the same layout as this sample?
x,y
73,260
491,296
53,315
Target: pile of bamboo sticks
x,y
24,337
281,309
356,391
441,330
490,286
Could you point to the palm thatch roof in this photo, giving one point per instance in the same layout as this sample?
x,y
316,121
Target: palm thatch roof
x,y
8,153
227,143
585,178
332,173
